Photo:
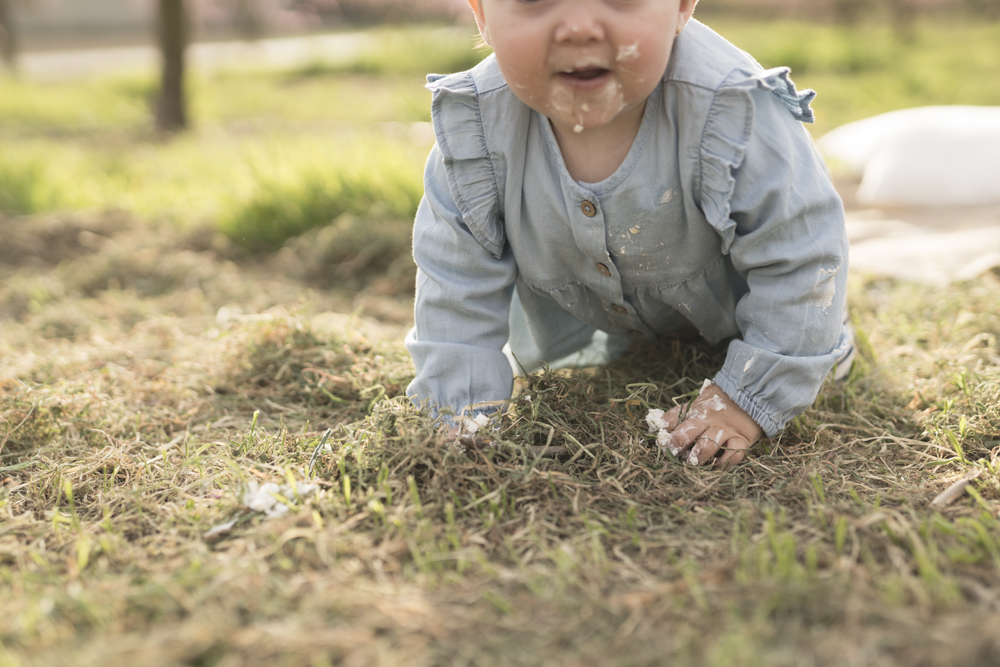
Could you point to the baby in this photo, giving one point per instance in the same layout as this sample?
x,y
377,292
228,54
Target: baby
x,y
614,172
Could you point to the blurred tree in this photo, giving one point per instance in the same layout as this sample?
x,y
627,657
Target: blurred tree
x,y
248,18
171,112
989,8
395,11
903,12
848,11
8,35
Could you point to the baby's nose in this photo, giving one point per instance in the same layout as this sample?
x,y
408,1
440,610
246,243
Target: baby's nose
x,y
580,23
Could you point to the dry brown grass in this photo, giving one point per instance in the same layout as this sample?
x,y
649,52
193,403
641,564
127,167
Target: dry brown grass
x,y
133,417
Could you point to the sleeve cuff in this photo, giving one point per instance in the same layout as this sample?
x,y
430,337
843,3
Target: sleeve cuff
x,y
729,385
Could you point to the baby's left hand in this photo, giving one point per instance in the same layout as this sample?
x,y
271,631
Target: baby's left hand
x,y
711,423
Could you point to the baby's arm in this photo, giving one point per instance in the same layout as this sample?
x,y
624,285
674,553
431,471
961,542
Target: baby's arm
x,y
788,241
462,305
709,424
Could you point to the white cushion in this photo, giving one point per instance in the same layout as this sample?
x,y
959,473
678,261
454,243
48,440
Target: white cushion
x,y
928,156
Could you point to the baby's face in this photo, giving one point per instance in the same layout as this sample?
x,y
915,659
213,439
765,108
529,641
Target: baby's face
x,y
582,63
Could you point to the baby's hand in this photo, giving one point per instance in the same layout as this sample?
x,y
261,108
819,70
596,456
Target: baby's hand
x,y
465,431
711,423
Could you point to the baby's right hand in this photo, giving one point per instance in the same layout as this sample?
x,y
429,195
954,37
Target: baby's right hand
x,y
712,423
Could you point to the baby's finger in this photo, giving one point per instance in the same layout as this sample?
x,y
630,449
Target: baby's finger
x,y
704,449
673,417
736,450
684,436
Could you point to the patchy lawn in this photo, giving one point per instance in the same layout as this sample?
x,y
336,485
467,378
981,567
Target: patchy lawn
x,y
140,404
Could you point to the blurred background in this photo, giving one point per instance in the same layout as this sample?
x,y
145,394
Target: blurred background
x,y
51,23
298,129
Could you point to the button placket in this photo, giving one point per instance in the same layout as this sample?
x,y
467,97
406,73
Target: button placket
x,y
588,207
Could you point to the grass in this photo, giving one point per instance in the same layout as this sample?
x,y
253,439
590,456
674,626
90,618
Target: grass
x,y
151,368
286,191
273,154
130,436
864,70
407,52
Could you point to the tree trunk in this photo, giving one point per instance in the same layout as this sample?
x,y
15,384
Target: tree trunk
x,y
848,12
904,13
988,8
8,35
171,115
248,19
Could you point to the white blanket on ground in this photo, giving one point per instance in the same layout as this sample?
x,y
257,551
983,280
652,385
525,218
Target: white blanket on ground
x,y
922,253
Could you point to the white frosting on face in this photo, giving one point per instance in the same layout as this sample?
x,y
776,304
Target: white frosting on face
x,y
627,52
596,107
630,42
585,63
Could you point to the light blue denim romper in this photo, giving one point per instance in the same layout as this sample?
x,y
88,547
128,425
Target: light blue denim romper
x,y
721,219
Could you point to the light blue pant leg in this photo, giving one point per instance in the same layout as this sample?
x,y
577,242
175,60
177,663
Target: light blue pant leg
x,y
555,337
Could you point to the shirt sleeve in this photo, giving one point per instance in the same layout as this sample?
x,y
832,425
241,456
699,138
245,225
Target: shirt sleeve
x,y
462,305
769,195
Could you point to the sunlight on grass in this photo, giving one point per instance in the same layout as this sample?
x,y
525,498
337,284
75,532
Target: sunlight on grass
x,y
285,189
68,107
88,144
45,175
864,70
410,52
260,191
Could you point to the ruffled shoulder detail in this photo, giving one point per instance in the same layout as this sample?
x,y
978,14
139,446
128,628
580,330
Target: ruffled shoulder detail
x,y
461,137
778,81
727,132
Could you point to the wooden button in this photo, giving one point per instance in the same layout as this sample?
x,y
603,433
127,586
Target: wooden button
x,y
619,309
605,271
588,209
635,332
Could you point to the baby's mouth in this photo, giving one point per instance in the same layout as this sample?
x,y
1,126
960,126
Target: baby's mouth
x,y
585,79
587,74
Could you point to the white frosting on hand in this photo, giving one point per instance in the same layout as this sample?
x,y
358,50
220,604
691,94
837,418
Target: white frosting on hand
x,y
655,420
470,427
665,440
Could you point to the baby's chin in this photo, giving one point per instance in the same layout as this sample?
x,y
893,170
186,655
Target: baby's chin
x,y
579,121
